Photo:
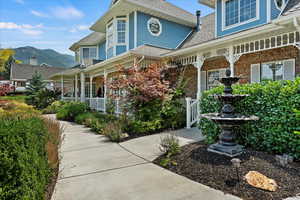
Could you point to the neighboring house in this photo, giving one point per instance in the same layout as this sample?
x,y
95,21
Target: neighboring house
x,y
21,74
256,39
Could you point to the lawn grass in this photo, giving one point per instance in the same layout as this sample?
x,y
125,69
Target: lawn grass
x,y
19,98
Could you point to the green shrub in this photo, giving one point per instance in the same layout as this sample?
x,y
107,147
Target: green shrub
x,y
141,127
54,107
24,168
274,103
97,126
70,110
169,145
83,118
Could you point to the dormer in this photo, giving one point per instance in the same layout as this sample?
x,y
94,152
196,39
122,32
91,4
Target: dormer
x,y
129,24
233,16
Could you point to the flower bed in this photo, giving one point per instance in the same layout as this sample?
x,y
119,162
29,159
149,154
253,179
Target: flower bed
x,y
216,171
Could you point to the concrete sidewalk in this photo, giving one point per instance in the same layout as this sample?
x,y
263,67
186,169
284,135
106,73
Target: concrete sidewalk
x,y
92,168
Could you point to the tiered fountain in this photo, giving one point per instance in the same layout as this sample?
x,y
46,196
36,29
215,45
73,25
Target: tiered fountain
x,y
228,119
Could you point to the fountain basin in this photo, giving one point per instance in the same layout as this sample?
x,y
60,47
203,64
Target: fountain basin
x,y
236,120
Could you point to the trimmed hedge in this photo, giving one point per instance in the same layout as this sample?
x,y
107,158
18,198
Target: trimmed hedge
x,y
274,103
24,168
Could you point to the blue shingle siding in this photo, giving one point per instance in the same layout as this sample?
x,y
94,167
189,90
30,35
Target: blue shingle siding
x,y
102,51
131,31
275,12
172,34
120,49
262,19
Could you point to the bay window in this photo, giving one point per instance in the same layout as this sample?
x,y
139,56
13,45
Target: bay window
x,y
239,11
116,34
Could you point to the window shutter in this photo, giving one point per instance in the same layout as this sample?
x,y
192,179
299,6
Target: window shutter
x,y
289,69
203,81
255,73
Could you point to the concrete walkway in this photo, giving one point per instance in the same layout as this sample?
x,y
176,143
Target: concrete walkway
x,y
92,168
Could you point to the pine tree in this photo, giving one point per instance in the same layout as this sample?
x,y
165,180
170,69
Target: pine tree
x,y
36,84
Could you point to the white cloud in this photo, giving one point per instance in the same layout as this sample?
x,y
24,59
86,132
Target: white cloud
x,y
20,1
38,14
27,29
80,28
32,32
67,13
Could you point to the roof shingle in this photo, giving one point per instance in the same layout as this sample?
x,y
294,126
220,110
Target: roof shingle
x,y
25,71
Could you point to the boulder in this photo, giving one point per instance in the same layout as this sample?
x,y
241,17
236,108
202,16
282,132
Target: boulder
x,y
259,180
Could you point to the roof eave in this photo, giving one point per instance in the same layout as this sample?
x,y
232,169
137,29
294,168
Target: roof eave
x,y
209,3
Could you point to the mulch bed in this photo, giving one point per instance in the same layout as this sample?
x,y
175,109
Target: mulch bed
x,y
216,171
51,186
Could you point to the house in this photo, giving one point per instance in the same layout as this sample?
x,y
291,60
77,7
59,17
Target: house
x,y
20,75
256,39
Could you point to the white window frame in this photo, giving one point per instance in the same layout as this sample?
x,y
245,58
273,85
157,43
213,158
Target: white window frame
x,y
114,23
117,32
224,27
90,58
160,25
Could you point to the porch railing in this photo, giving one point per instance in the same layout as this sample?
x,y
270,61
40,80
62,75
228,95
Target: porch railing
x,y
192,112
98,104
68,98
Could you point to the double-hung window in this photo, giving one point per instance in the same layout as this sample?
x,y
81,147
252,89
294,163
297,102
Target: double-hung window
x,y
239,11
89,52
121,31
110,40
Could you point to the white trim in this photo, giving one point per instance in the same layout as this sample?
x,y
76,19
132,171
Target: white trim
x,y
216,19
188,35
156,20
285,4
282,7
224,27
127,32
135,29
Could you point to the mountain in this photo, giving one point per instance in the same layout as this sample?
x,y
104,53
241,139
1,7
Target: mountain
x,y
47,56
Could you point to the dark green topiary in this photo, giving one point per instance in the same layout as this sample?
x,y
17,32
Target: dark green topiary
x,y
274,104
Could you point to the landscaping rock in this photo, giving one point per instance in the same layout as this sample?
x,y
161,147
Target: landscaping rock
x,y
259,180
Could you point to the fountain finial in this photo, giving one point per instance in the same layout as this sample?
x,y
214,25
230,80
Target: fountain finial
x,y
228,72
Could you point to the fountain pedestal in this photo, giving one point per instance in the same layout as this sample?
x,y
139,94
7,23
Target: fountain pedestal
x,y
228,120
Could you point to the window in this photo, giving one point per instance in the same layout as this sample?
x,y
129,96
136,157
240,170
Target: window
x,y
238,11
110,36
154,27
121,31
213,77
272,71
89,53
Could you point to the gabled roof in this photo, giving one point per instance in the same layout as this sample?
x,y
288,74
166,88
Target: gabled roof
x,y
292,7
206,33
25,71
92,39
158,8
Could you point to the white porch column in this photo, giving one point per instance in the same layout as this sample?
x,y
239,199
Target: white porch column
x,y
231,60
91,89
62,86
82,86
76,87
105,90
200,62
188,112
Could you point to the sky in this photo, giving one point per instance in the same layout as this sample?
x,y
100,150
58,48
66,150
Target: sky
x,y
57,24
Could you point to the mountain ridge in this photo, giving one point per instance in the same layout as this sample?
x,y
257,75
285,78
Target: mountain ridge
x,y
48,56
